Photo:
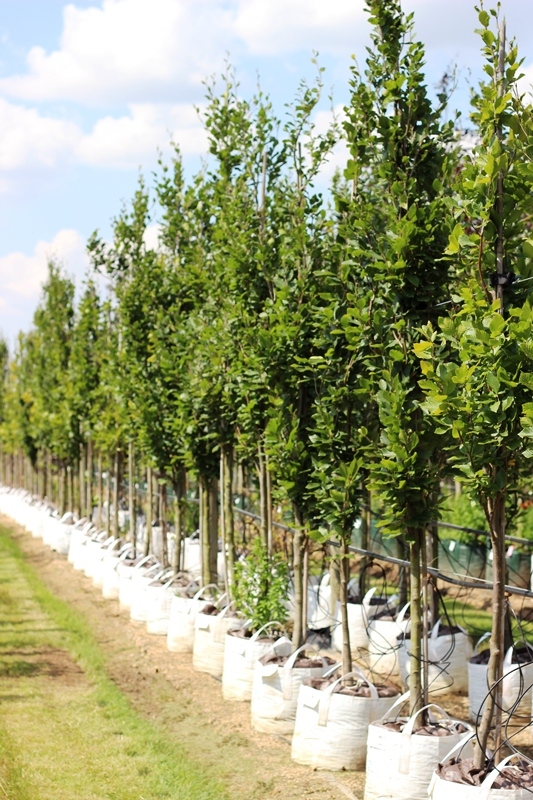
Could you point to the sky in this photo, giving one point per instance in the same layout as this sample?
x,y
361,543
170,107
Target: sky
x,y
91,91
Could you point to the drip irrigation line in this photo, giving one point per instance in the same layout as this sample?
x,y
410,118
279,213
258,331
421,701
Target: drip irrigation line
x,y
478,584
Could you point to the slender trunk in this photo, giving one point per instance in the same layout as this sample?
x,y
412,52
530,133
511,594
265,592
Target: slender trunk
x,y
149,500
164,525
343,598
49,477
366,523
89,503
425,610
70,489
204,529
269,508
416,699
116,484
227,508
82,493
334,578
297,566
213,531
63,490
305,582
178,525
99,513
263,513
402,573
131,493
108,496
493,703
433,561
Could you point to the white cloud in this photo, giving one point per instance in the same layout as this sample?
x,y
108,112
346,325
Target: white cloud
x,y
22,276
28,139
272,27
128,51
127,141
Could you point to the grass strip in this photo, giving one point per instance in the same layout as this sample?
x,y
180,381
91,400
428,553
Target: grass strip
x,y
121,755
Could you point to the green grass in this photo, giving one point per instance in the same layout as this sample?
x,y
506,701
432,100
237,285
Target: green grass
x,y
73,735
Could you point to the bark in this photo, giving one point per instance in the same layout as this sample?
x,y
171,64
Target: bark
x,y
204,529
108,497
263,513
149,501
343,598
68,495
164,524
82,489
227,505
305,586
493,704
366,523
416,698
334,577
49,478
131,493
270,525
89,479
62,490
99,514
433,561
402,574
213,531
297,567
116,484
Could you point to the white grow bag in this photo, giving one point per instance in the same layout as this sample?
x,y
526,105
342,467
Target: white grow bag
x,y
448,661
183,611
128,573
440,789
139,603
240,657
158,603
517,683
331,729
400,766
383,643
275,692
209,640
359,616
110,577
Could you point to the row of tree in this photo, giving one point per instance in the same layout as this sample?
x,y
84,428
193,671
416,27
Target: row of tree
x,y
374,342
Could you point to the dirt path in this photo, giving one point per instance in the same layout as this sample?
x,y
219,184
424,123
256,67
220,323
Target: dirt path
x,y
188,706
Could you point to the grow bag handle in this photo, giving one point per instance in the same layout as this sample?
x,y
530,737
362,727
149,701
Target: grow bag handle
x,y
368,596
327,694
481,639
400,701
457,746
405,751
436,628
486,786
217,628
143,561
199,593
264,627
402,613
286,675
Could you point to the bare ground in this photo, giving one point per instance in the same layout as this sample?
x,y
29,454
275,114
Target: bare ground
x,y
187,705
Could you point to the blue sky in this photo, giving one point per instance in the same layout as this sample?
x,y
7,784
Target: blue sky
x,y
89,91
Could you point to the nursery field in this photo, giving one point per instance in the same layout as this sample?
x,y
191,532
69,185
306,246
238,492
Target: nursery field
x,y
91,706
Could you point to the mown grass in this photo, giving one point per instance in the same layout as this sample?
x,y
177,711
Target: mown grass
x,y
74,735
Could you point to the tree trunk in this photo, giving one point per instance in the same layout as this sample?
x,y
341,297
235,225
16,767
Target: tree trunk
x,y
263,512
343,598
402,574
416,699
116,482
70,490
108,497
297,567
178,524
89,479
270,525
305,586
164,524
99,513
493,702
204,529
433,561
334,577
82,489
228,532
131,493
366,523
213,531
149,501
